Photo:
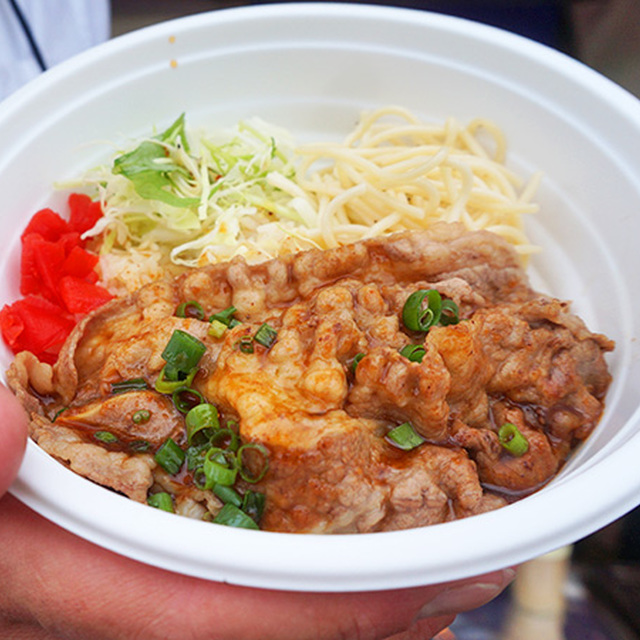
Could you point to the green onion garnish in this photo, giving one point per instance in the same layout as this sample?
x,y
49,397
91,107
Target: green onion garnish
x,y
163,385
186,398
225,317
405,437
227,438
105,436
182,355
141,416
512,440
266,336
202,416
195,456
231,516
418,317
264,464
449,314
245,344
253,504
170,456
135,384
356,361
58,413
220,467
415,316
413,352
161,501
139,446
228,495
191,309
217,329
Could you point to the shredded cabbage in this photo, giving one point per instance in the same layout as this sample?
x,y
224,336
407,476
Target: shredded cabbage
x,y
189,199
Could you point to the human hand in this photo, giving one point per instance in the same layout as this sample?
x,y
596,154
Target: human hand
x,y
56,585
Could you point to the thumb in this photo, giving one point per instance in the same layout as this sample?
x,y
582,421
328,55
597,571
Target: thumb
x,y
13,437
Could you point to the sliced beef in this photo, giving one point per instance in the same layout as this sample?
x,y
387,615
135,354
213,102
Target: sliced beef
x,y
323,398
119,415
131,475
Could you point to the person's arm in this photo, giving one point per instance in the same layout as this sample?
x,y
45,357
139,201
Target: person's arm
x,y
56,585
36,35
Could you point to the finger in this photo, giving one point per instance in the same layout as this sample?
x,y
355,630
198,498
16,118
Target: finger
x,y
79,590
13,437
465,595
424,629
455,598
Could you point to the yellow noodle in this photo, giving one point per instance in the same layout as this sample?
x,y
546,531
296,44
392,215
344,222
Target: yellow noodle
x,y
418,173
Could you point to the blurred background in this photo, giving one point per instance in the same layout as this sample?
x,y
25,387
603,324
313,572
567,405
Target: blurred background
x,y
604,34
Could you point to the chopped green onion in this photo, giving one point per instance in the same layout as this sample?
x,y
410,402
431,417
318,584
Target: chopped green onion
x,y
141,416
266,335
413,352
245,344
217,329
182,355
139,446
191,309
356,361
225,317
202,416
264,466
253,504
450,314
163,385
105,436
135,384
418,318
228,495
220,467
231,516
186,398
161,501
512,440
405,437
58,412
195,456
226,437
170,456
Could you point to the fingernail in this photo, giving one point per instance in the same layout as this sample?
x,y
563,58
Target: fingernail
x,y
465,597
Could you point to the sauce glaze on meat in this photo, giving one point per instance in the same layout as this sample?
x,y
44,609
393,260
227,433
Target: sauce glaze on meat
x,y
517,356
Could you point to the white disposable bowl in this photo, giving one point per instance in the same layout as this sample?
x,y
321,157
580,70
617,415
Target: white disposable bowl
x,y
313,68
